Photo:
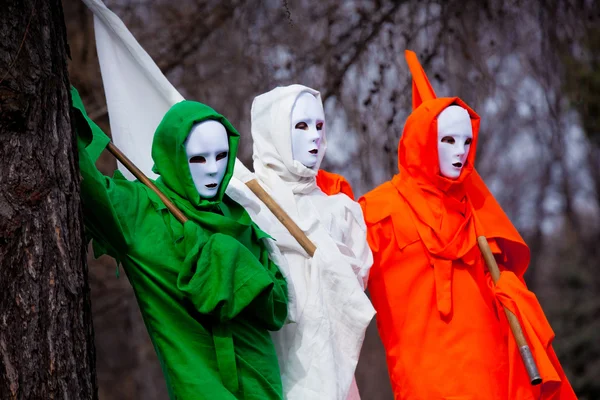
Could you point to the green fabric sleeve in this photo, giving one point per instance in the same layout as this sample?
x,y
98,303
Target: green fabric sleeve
x,y
93,139
271,308
222,278
98,192
100,218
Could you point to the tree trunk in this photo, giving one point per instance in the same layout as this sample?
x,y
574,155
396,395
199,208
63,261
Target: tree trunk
x,y
46,332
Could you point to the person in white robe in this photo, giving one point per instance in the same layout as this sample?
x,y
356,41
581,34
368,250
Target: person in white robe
x,y
318,354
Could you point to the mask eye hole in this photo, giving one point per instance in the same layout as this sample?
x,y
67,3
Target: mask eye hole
x,y
468,141
448,139
319,126
301,125
197,160
221,156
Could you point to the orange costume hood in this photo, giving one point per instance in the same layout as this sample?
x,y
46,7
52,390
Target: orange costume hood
x,y
436,307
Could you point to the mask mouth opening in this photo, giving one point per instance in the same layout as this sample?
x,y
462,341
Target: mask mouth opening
x,y
314,151
457,164
211,185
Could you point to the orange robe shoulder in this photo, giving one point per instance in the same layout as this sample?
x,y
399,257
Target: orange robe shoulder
x,y
331,184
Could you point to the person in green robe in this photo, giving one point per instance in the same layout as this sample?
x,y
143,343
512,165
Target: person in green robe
x,y
207,290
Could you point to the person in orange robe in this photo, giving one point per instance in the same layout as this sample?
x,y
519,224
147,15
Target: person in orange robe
x,y
439,314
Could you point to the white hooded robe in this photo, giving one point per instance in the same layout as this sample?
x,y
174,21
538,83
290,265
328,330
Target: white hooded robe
x,y
318,354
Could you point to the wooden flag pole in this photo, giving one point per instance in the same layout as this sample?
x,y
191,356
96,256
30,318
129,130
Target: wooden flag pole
x,y
144,179
282,216
513,321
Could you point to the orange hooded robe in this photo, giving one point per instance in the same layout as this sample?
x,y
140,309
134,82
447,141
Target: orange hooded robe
x,y
438,313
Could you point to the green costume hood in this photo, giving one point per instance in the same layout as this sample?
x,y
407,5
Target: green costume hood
x,y
169,155
216,214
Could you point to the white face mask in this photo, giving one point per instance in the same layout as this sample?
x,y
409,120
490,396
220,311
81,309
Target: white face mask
x,y
207,150
308,124
455,135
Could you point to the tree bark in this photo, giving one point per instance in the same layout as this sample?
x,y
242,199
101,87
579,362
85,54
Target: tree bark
x,y
46,331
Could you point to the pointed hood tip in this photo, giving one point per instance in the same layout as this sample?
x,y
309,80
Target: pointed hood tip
x,y
421,88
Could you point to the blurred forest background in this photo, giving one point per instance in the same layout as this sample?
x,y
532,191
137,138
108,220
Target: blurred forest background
x,y
531,69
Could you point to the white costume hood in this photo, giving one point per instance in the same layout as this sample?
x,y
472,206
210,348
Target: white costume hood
x,y
271,123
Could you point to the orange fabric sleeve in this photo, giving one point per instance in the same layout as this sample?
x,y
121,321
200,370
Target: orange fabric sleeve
x,y
331,184
513,294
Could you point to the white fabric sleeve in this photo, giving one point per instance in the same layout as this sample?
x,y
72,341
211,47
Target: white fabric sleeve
x,y
357,241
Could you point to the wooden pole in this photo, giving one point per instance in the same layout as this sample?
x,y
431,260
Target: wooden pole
x,y
282,216
142,178
513,321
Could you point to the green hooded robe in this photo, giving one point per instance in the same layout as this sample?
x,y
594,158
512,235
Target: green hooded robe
x,y
207,290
